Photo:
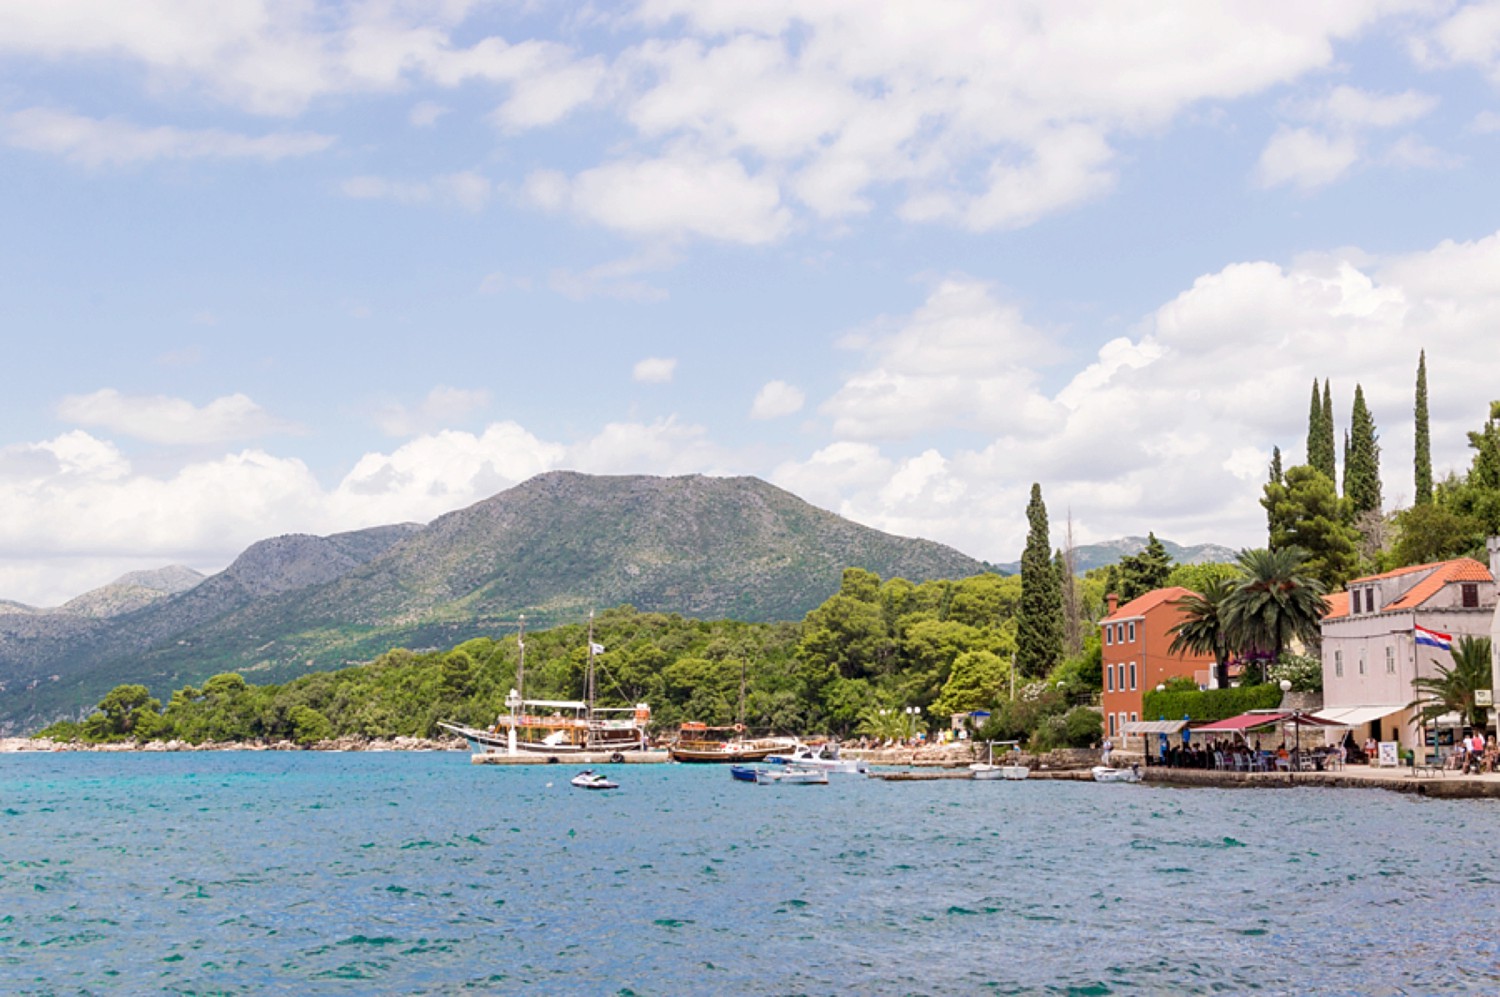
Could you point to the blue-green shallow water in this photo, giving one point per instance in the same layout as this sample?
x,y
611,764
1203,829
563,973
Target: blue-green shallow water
x,y
420,873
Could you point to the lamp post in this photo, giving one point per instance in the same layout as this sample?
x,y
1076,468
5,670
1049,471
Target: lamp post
x,y
1286,687
912,712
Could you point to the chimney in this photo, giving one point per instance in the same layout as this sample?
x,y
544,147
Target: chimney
x,y
1114,600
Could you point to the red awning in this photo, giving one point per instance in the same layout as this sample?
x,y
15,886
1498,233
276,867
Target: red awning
x,y
1257,719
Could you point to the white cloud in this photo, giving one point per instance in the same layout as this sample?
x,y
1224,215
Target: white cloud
x,y
442,406
683,193
1470,36
654,370
95,142
1351,107
466,189
776,399
958,361
161,419
1306,158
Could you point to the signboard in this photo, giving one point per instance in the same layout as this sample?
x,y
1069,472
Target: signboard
x,y
1388,756
1484,697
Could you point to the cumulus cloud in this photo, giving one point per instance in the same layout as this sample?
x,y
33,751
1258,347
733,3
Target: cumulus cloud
x,y
654,370
162,419
961,360
1306,158
442,406
96,142
776,399
666,197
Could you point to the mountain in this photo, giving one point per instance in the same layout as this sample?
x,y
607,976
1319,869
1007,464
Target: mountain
x,y
1101,555
553,547
132,591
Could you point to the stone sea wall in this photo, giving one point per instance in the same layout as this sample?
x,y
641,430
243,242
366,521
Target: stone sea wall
x,y
15,744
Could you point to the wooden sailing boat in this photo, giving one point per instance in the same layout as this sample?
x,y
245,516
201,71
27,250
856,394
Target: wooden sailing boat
x,y
560,726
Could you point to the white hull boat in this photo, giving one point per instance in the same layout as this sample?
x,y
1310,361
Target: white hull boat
x,y
1106,773
790,775
987,770
824,757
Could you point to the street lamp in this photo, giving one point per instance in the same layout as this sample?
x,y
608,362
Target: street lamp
x,y
912,712
1296,759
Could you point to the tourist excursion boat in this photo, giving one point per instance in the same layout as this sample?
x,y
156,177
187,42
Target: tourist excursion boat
x,y
589,779
559,726
987,769
824,756
1105,773
696,742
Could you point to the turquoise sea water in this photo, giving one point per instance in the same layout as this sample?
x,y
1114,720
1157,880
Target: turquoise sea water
x,y
302,873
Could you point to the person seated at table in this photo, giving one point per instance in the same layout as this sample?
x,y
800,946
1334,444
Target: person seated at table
x,y
1283,757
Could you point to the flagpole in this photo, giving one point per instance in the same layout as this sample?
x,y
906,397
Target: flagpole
x,y
588,682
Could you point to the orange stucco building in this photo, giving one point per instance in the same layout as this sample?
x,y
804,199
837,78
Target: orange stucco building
x,y
1134,640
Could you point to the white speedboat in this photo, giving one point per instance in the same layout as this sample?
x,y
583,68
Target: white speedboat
x,y
820,756
1106,773
791,775
589,779
988,770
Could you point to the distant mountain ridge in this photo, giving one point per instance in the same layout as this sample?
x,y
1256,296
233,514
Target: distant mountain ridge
x,y
552,547
1101,555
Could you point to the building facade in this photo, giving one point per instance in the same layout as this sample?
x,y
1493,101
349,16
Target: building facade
x,y
1133,645
1378,638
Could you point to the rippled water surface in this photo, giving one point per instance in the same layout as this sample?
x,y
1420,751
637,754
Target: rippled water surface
x,y
304,873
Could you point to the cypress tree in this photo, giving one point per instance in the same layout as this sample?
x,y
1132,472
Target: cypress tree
x,y
1423,440
1039,619
1275,471
1314,428
1362,465
1327,448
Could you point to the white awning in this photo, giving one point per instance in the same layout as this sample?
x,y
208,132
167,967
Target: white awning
x,y
1354,716
1152,726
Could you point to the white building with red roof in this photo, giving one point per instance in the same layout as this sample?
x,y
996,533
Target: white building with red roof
x,y
1371,653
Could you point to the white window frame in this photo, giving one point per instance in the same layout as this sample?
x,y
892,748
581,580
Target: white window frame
x,y
1390,660
1132,632
1132,676
1109,678
1338,664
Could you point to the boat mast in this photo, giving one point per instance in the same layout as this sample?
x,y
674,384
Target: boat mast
x,y
741,718
588,680
521,668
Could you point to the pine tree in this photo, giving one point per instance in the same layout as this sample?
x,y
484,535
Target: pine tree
x,y
1362,465
1145,570
1039,620
1423,440
1275,470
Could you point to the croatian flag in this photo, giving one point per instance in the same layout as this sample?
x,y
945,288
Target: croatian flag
x,y
1432,638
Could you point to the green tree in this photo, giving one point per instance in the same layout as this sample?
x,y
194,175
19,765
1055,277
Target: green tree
x,y
848,632
1274,604
1319,434
1039,622
1327,449
126,712
1362,466
1422,464
1202,629
1274,471
1198,577
308,725
1305,513
1145,570
1452,689
975,681
1433,532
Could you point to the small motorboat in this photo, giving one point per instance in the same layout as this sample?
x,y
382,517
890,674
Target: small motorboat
x,y
1106,773
791,775
987,770
744,773
823,756
589,779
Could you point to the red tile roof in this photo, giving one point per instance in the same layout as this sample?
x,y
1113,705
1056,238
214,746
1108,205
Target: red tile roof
x,y
1338,605
1465,569
1142,604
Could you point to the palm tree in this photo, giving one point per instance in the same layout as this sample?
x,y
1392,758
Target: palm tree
x,y
1451,690
1202,629
1274,603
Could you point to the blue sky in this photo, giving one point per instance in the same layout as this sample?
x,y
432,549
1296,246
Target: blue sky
x,y
271,267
